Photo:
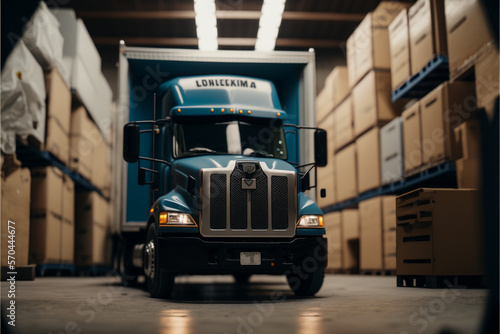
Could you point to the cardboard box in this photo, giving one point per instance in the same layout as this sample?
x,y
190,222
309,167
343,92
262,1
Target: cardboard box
x,y
427,29
391,151
446,107
46,215
369,46
372,102
91,229
399,42
101,167
368,160
350,239
351,60
333,228
389,213
487,79
82,142
343,124
439,232
370,239
16,189
324,104
468,139
68,221
412,138
336,84
469,173
390,250
345,173
467,31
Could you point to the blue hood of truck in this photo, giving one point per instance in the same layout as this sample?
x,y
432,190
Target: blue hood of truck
x,y
192,165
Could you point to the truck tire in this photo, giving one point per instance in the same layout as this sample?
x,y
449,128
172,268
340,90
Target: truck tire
x,y
242,278
308,286
160,283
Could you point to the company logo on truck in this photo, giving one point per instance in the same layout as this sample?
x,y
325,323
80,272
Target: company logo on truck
x,y
225,83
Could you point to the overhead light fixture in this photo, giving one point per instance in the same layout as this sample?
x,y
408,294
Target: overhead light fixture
x,y
206,24
269,24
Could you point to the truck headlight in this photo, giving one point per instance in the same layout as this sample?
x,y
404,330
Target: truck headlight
x,y
311,221
176,218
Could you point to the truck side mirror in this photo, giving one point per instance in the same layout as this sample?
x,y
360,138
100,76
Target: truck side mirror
x,y
131,134
320,148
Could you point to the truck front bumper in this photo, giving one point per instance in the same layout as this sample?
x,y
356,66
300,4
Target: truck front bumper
x,y
192,255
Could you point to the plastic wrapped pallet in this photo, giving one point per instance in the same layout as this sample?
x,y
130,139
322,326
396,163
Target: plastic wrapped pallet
x,y
23,99
43,39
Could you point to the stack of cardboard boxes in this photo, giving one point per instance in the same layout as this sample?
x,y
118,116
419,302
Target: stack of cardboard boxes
x,y
42,201
377,142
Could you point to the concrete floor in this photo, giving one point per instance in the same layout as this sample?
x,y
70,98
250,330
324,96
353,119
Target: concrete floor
x,y
345,304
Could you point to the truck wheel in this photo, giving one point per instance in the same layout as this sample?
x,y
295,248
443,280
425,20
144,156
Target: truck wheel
x,y
160,283
242,278
308,286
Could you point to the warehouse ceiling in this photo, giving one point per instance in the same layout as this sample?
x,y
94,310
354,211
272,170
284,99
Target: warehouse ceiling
x,y
319,24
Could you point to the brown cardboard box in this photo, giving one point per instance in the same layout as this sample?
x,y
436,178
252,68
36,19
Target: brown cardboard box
x,y
412,138
427,29
91,229
58,115
368,160
333,228
82,141
487,79
399,42
101,165
46,215
16,189
389,213
350,239
337,83
324,104
370,238
441,110
467,31
439,232
68,221
369,46
389,227
468,139
468,173
345,173
372,102
390,250
351,60
343,124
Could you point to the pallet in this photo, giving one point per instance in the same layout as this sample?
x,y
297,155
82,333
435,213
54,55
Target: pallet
x,y
444,172
377,272
466,71
55,269
92,271
22,273
418,85
435,282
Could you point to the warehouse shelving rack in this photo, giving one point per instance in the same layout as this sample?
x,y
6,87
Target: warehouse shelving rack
x,y
442,175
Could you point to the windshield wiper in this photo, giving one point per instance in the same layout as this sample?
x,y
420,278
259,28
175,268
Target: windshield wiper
x,y
260,154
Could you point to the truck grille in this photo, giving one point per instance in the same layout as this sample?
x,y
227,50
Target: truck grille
x,y
229,208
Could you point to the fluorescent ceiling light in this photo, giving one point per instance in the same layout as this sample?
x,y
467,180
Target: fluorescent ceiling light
x,y
269,24
206,24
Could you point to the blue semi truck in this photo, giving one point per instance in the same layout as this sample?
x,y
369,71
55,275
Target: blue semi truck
x,y
220,150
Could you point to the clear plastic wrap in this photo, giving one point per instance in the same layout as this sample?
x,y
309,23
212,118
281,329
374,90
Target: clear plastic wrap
x,y
23,99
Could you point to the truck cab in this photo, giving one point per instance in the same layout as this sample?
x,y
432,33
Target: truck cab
x,y
225,195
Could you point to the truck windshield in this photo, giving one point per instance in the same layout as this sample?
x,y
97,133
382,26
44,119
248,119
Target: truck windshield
x,y
262,138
